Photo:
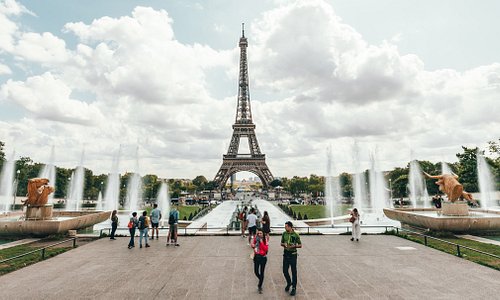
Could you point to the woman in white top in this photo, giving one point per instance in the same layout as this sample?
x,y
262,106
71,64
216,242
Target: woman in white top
x,y
356,230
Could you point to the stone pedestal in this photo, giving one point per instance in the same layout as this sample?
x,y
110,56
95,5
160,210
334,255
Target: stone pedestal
x,y
43,212
458,208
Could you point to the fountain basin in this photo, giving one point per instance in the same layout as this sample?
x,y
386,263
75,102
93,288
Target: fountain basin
x,y
477,220
61,222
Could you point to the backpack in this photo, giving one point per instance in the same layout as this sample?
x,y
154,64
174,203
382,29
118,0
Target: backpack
x,y
171,219
142,223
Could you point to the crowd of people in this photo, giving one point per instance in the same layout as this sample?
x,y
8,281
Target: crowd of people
x,y
258,227
144,223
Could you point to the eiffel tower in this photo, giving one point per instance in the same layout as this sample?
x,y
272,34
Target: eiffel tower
x,y
255,161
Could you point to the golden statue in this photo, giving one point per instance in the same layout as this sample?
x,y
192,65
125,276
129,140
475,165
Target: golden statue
x,y
449,185
38,192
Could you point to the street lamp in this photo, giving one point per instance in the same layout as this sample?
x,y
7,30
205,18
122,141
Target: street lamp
x,y
390,187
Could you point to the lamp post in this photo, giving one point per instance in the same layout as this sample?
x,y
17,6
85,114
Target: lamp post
x,y
390,187
15,188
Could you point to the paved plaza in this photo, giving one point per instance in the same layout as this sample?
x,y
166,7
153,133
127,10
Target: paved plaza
x,y
219,267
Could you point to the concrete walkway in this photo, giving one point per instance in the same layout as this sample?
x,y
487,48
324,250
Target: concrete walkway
x,y
218,267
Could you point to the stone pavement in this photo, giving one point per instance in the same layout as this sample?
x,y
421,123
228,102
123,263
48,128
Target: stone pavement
x,y
219,267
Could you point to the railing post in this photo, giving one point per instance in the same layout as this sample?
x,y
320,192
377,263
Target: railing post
x,y
307,230
458,250
425,240
43,253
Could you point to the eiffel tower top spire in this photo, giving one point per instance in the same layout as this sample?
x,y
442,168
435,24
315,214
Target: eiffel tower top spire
x,y
243,110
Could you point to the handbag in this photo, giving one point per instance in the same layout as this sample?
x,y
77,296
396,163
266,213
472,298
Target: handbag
x,y
130,225
352,219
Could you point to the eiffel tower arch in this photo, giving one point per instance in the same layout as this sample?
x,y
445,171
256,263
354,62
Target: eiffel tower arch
x,y
243,127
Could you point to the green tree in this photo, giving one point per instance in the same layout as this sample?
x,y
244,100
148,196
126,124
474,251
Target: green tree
x,y
345,181
200,182
2,154
275,183
467,169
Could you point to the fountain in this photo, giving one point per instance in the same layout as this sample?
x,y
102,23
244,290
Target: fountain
x,y
75,196
99,204
486,185
41,220
134,187
417,187
454,216
359,182
332,190
112,194
379,197
163,200
49,171
6,183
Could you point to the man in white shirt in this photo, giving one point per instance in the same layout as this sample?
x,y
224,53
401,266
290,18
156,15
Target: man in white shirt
x,y
252,225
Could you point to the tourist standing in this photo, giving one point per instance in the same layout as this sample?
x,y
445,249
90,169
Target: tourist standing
x,y
143,229
173,221
243,220
252,225
132,224
114,224
155,221
266,225
356,229
260,246
290,241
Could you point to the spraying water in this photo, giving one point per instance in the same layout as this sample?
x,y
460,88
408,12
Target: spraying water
x,y
332,189
134,187
164,200
112,194
486,183
49,172
378,187
99,204
359,181
417,186
7,183
75,197
445,168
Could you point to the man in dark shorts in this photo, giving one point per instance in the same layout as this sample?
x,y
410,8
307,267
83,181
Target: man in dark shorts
x,y
290,241
155,221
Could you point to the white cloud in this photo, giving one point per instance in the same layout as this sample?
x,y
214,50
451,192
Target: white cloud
x,y
141,85
4,69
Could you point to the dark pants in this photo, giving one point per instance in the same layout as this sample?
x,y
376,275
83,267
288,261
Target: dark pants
x,y
113,229
290,261
259,265
132,233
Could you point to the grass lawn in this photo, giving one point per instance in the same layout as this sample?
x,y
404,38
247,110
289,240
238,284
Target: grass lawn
x,y
185,210
28,259
315,211
466,254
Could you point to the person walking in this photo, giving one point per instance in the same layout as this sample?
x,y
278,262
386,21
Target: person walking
x,y
143,229
252,225
173,221
243,219
260,246
155,221
290,241
266,225
114,224
132,225
356,229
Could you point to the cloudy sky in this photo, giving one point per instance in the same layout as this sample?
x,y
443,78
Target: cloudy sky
x,y
401,79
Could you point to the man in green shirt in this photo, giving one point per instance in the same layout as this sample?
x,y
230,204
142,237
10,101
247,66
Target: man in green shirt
x,y
290,241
